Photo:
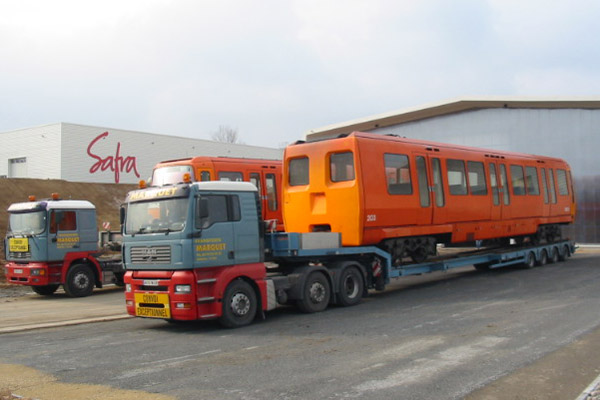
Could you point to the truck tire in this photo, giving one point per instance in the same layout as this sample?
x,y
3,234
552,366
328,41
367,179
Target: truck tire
x,y
351,287
80,281
529,260
316,293
239,304
566,253
543,258
46,290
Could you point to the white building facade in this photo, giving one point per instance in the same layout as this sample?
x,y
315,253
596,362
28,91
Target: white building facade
x,y
81,153
563,128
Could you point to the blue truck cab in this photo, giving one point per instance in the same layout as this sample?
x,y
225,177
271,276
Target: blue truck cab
x,y
53,242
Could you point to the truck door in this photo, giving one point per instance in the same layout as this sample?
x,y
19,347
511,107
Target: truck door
x,y
213,231
63,234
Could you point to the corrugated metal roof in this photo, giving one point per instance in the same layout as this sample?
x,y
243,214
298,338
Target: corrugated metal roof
x,y
449,107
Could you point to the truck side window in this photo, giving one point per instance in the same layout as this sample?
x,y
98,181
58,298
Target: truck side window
x,y
211,209
63,221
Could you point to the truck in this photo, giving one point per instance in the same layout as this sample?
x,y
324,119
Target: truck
x,y
200,251
55,242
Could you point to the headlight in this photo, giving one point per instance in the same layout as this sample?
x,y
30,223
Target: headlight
x,y
38,272
128,287
183,289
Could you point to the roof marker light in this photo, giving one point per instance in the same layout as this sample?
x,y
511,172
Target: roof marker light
x,y
55,196
187,178
142,184
31,197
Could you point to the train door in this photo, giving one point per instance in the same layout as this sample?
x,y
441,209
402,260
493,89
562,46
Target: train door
x,y
504,192
545,192
257,178
495,185
424,191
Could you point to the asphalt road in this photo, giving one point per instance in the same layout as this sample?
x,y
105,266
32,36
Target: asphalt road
x,y
507,334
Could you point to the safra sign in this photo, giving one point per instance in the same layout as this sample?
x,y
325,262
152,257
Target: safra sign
x,y
116,162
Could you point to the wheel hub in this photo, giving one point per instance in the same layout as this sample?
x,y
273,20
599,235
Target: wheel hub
x,y
317,292
240,304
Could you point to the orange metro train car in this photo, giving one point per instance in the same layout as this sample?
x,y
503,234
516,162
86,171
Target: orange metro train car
x,y
264,174
408,195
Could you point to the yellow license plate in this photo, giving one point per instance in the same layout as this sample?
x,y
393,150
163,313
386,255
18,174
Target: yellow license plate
x,y
20,245
153,305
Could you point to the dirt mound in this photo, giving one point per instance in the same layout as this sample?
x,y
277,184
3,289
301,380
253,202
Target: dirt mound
x,y
107,197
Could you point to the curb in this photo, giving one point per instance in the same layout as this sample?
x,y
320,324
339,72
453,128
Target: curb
x,y
592,392
21,328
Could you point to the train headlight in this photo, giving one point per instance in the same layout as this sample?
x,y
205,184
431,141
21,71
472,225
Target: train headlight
x,y
183,289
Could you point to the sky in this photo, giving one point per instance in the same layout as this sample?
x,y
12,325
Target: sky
x,y
274,69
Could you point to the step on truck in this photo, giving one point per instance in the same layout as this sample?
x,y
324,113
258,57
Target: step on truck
x,y
199,251
56,242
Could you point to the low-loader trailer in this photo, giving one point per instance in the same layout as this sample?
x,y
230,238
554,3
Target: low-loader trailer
x,y
56,242
199,251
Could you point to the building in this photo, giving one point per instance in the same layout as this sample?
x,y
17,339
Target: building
x,y
564,128
81,153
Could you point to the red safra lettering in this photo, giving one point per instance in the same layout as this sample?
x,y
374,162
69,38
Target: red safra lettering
x,y
116,163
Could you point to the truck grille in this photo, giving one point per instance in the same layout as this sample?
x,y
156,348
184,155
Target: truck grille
x,y
19,255
151,255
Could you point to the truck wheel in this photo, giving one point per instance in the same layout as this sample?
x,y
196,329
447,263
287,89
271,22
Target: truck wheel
x,y
45,290
351,287
239,304
316,293
543,258
553,255
529,260
80,281
566,253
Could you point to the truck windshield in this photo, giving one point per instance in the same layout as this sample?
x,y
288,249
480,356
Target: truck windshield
x,y
170,175
28,223
168,215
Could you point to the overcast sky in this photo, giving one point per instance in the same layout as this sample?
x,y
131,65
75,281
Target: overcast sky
x,y
275,69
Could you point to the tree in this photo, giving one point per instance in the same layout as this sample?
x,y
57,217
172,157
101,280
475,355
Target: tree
x,y
226,134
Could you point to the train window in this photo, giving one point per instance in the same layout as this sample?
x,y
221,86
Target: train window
x,y
271,192
298,170
551,186
518,180
397,174
504,182
341,166
544,186
255,180
170,175
561,178
531,178
423,182
457,181
204,176
477,184
494,184
438,187
230,176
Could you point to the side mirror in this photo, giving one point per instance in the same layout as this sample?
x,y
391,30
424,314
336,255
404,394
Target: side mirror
x,y
203,208
122,215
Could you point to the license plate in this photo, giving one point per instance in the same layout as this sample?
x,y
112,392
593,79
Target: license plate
x,y
18,271
153,305
18,245
150,282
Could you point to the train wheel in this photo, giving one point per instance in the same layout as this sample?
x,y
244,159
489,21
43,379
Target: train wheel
x,y
45,290
351,287
239,305
553,255
79,281
317,293
543,258
529,260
